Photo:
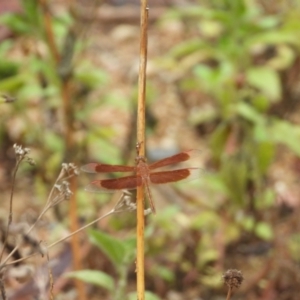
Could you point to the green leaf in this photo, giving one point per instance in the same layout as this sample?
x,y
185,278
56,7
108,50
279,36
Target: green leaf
x,y
5,46
266,199
148,296
53,142
99,138
264,231
61,25
208,77
247,222
207,220
90,76
210,28
211,280
94,277
266,80
235,173
53,161
202,115
187,47
113,248
12,84
265,152
260,102
248,112
284,59
285,133
207,255
8,69
294,245
117,99
33,14
163,272
15,23
269,22
218,139
274,37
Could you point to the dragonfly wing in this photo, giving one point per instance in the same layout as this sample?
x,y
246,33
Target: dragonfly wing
x,y
111,185
193,155
106,168
175,175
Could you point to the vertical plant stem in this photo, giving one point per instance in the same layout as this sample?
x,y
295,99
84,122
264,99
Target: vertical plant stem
x,y
10,216
2,288
140,268
229,293
48,30
70,152
68,116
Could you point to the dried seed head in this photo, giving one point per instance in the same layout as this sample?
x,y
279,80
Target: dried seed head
x,y
233,278
125,203
147,211
30,161
70,168
22,153
64,190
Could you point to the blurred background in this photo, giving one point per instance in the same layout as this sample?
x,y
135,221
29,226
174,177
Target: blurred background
x,y
223,77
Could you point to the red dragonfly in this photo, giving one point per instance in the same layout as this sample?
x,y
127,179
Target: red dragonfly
x,y
144,174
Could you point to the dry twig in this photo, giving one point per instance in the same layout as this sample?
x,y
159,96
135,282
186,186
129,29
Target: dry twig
x,y
140,268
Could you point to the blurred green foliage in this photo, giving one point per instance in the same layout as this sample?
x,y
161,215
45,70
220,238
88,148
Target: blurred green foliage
x,y
234,57
229,61
30,73
120,254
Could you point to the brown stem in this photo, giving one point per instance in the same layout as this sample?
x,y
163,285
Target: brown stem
x,y
229,293
2,288
66,95
10,216
70,153
48,30
140,268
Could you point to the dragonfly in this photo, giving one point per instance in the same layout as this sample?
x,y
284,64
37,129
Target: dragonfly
x,y
144,174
